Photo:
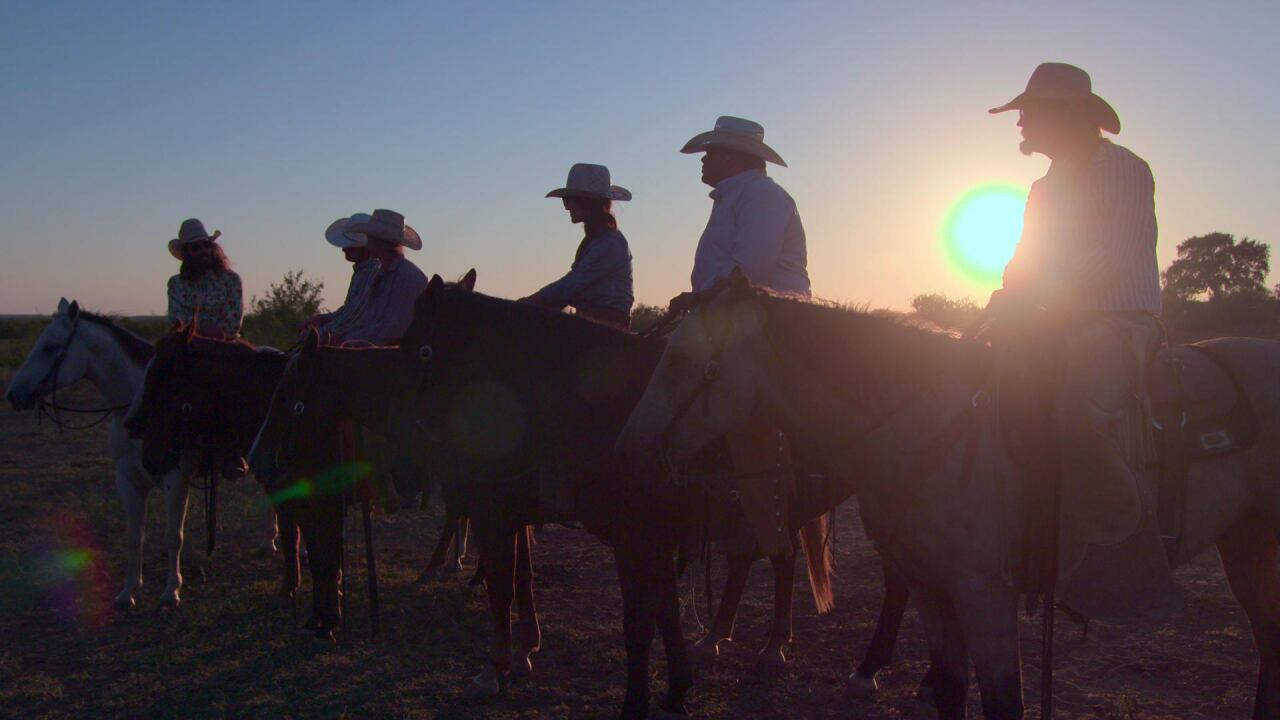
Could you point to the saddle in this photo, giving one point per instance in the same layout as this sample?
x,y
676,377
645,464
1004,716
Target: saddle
x,y
1199,412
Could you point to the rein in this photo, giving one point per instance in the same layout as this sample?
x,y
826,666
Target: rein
x,y
51,409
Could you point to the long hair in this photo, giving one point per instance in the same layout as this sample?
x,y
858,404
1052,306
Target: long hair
x,y
217,263
597,212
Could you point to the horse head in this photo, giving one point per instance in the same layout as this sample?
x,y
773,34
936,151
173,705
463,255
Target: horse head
x,y
58,358
297,415
704,384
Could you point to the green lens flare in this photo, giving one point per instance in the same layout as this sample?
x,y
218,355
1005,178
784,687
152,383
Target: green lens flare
x,y
982,229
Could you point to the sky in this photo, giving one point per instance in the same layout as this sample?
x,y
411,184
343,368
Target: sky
x,y
270,120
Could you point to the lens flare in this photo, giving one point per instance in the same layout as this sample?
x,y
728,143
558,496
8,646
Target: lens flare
x,y
67,572
982,229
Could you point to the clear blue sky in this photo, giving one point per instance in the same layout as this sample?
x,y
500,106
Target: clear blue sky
x,y
269,120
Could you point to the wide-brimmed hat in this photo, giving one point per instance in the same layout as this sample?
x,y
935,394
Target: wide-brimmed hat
x,y
190,231
736,134
1063,83
387,225
339,236
590,181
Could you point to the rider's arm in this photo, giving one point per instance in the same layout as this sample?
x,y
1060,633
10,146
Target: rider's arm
x,y
602,256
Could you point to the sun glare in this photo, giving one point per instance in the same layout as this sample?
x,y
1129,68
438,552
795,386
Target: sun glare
x,y
982,229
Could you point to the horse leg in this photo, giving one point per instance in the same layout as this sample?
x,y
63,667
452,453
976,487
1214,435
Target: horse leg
x,y
679,670
722,626
637,627
497,552
947,652
176,491
988,618
292,577
271,539
1249,557
773,661
323,535
528,632
862,683
460,540
447,536
135,521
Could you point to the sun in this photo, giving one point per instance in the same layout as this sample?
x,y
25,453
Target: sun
x,y
982,229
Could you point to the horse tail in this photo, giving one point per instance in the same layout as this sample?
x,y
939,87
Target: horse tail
x,y
817,555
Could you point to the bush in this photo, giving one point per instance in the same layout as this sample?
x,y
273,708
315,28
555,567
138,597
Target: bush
x,y
274,318
945,312
645,316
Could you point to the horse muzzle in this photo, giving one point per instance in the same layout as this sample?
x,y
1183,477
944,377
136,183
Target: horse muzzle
x,y
20,397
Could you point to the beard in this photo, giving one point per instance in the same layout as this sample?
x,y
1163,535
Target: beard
x,y
1026,147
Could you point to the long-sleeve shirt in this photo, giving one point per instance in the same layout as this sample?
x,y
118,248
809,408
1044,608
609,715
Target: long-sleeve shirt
x,y
599,279
754,225
389,310
216,298
347,317
1089,236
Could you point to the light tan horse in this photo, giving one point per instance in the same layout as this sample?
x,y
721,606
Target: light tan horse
x,y
881,401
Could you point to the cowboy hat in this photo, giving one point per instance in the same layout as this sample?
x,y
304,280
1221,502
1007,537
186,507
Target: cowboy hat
x,y
591,181
1063,83
338,236
387,225
189,232
736,134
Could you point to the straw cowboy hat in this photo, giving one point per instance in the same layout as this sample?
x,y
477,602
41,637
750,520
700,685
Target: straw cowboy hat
x,y
338,236
191,231
1063,83
590,181
736,134
387,225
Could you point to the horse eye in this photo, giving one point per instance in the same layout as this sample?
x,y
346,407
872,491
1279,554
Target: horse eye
x,y
299,408
186,408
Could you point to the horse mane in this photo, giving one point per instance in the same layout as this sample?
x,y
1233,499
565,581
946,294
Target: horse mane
x,y
865,354
135,347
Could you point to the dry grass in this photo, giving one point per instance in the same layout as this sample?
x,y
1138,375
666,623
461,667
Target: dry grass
x,y
231,652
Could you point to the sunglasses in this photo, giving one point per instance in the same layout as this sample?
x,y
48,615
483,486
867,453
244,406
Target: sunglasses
x,y
201,245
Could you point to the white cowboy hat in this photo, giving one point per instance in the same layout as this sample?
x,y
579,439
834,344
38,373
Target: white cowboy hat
x,y
1063,83
190,231
387,225
338,236
736,134
592,181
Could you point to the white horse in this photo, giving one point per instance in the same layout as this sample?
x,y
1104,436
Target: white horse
x,y
81,345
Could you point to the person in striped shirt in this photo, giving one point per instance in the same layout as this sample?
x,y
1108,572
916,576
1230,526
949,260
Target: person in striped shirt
x,y
334,326
1087,258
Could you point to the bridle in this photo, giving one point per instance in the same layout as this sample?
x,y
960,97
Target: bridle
x,y
50,408
289,443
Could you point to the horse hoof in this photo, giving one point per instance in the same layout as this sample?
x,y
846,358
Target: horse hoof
x,y
170,603
668,715
124,603
705,650
483,686
326,636
286,599
771,665
521,664
861,687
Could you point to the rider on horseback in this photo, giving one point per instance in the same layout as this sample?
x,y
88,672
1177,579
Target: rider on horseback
x,y
755,227
1087,257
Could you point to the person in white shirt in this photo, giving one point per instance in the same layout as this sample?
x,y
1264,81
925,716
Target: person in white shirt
x,y
754,224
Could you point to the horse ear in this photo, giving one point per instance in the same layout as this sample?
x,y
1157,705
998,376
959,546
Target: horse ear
x,y
62,306
469,280
73,311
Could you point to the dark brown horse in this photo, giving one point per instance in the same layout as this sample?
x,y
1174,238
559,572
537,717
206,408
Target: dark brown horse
x,y
213,394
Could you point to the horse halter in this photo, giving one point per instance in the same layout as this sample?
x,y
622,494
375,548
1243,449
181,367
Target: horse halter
x,y
50,408
289,444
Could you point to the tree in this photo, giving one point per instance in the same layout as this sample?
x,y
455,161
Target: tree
x,y
1217,265
274,318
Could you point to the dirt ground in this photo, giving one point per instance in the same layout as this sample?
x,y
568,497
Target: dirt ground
x,y
231,651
